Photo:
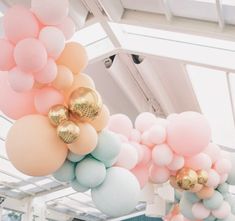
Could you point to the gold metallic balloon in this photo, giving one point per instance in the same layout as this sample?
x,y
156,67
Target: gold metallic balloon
x,y
186,178
85,104
68,132
57,114
202,177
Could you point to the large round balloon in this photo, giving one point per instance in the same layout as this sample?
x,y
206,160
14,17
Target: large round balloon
x,y
90,172
119,193
19,23
6,55
66,172
74,57
50,12
188,133
12,104
33,146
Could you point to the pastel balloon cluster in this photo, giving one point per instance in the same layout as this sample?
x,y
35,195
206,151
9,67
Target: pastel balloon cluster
x,y
218,206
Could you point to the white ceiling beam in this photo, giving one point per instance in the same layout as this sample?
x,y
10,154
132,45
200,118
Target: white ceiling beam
x,y
219,9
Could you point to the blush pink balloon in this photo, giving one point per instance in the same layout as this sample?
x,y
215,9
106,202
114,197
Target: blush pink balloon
x,y
141,173
157,134
162,155
223,211
140,151
200,161
135,136
47,97
177,163
188,134
49,12
223,166
144,121
15,105
48,73
199,211
67,26
213,151
146,155
20,81
53,40
6,55
123,138
19,23
213,178
30,55
162,122
128,157
159,175
121,124
145,139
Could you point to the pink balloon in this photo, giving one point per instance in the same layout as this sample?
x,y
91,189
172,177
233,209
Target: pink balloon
x,y
48,73
159,175
6,55
145,139
172,116
213,178
67,26
144,121
12,104
123,138
128,157
146,155
19,23
157,134
46,98
162,155
188,134
177,163
223,166
50,12
135,136
199,161
140,151
30,55
213,151
199,211
53,40
141,173
121,124
20,81
223,212
162,122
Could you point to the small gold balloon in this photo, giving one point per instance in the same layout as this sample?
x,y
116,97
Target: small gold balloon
x,y
202,177
85,104
186,178
68,132
57,114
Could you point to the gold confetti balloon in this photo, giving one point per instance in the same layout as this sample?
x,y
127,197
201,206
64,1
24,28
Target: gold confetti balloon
x,y
68,132
85,104
202,177
57,114
186,178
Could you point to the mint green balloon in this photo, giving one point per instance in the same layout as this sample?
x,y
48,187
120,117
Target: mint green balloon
x,y
178,195
229,218
66,172
186,208
214,202
74,157
108,146
191,197
223,188
90,172
210,218
78,187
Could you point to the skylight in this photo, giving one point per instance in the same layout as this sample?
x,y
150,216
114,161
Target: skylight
x,y
211,89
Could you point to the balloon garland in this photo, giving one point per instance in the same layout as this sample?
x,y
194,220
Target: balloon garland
x,y
63,128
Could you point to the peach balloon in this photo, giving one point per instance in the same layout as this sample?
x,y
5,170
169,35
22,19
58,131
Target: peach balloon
x,y
205,192
74,57
101,121
64,78
80,80
196,188
86,141
33,146
6,55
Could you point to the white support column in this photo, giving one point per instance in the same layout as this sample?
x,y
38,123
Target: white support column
x,y
28,215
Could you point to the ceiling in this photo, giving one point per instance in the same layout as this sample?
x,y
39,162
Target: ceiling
x,y
162,56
